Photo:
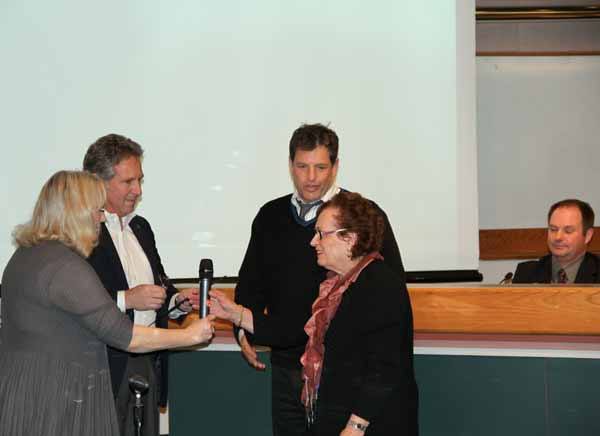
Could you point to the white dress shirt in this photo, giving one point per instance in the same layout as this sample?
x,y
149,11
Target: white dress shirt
x,y
134,261
312,213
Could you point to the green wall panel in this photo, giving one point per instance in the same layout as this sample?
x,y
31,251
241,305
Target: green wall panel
x,y
472,396
216,392
573,397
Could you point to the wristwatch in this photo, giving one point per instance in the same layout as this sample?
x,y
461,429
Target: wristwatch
x,y
356,425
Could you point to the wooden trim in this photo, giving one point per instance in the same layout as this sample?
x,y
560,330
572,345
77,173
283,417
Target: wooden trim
x,y
549,309
502,244
537,13
537,53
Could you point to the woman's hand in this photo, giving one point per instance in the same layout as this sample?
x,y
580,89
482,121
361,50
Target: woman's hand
x,y
202,330
351,431
223,307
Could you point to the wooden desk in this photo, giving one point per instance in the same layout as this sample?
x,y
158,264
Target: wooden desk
x,y
523,309
490,360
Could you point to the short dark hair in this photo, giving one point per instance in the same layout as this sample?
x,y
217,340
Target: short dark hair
x,y
587,213
107,151
310,136
359,216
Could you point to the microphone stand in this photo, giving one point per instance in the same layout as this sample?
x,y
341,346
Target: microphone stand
x,y
138,386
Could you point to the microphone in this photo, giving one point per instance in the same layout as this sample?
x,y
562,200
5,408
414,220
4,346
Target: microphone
x,y
507,280
138,384
206,276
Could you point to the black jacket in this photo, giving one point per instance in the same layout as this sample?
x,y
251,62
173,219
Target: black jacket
x,y
368,362
540,271
105,261
280,273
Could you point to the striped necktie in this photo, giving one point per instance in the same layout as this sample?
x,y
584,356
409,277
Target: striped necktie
x,y
562,276
306,207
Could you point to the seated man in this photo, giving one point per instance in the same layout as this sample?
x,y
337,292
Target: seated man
x,y
570,230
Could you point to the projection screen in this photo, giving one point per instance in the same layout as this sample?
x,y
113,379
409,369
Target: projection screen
x,y
213,91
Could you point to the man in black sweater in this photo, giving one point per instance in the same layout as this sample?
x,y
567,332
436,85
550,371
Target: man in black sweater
x,y
280,272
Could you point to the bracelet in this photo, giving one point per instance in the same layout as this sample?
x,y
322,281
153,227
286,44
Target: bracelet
x,y
241,317
356,425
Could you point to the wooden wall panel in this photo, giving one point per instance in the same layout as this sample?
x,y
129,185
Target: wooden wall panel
x,y
495,244
498,244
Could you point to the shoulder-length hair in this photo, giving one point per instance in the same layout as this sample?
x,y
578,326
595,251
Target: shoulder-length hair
x,y
64,212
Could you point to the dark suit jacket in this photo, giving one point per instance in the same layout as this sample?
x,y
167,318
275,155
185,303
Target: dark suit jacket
x,y
540,271
105,260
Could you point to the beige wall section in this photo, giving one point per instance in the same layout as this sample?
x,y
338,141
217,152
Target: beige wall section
x,y
538,135
538,140
538,37
553,27
494,270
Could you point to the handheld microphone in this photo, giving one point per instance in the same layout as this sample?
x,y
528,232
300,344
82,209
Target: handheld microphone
x,y
206,276
507,280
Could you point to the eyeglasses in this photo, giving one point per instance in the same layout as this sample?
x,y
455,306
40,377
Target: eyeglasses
x,y
323,233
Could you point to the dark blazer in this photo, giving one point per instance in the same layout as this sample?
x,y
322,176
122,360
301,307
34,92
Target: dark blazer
x,y
105,260
540,271
368,362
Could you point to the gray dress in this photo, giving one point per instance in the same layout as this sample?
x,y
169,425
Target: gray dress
x,y
56,320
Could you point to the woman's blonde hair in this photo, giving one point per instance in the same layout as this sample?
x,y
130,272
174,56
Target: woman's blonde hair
x,y
64,212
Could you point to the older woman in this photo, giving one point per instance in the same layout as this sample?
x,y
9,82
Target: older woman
x,y
358,363
57,318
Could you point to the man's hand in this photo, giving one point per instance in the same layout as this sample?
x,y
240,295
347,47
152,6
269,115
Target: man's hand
x,y
192,295
250,355
145,297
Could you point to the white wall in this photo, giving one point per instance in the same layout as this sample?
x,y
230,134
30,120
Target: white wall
x,y
538,140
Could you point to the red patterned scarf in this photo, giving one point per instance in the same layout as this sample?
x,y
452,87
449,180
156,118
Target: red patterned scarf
x,y
323,311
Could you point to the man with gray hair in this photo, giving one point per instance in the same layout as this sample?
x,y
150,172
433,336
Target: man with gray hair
x,y
130,268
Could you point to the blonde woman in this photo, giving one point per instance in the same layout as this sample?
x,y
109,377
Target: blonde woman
x,y
57,320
